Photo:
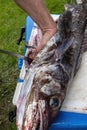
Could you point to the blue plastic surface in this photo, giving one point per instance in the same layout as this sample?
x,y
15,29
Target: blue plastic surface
x,y
20,63
28,28
20,80
64,120
69,121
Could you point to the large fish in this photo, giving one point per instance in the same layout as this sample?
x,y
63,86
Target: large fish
x,y
51,72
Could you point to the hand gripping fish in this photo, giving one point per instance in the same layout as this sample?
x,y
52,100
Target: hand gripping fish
x,y
51,72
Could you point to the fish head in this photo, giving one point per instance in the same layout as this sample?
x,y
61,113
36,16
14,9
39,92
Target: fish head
x,y
52,81
43,103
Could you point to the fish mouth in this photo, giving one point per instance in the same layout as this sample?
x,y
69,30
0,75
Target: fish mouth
x,y
36,116
43,116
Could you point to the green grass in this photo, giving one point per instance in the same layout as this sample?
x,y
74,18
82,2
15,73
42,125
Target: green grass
x,y
12,18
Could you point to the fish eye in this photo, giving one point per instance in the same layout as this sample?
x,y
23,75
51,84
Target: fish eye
x,y
54,102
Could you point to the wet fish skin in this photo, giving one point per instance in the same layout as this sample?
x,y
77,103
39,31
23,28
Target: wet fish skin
x,y
54,74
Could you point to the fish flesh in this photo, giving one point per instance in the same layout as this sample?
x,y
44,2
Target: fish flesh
x,y
50,73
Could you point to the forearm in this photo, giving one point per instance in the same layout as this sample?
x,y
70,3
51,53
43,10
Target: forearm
x,y
38,12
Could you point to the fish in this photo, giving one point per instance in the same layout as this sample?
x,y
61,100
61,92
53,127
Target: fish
x,y
52,71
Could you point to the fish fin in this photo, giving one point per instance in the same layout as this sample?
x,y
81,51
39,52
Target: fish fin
x,y
65,40
83,49
84,43
78,63
64,47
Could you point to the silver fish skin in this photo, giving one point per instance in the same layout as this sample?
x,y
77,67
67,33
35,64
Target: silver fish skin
x,y
55,67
